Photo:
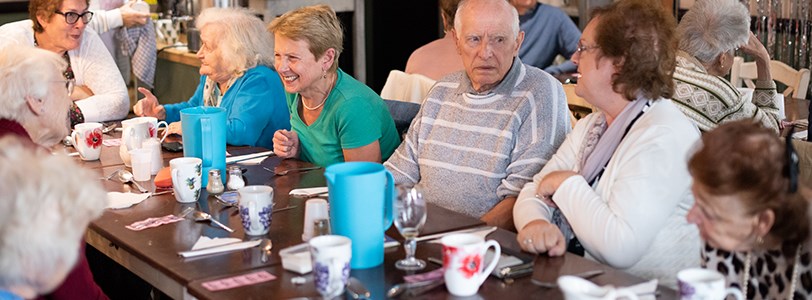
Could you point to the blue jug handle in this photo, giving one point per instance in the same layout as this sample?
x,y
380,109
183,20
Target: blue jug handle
x,y
389,202
205,136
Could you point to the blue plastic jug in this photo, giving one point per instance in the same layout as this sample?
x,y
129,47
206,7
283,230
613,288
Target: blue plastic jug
x,y
204,137
361,198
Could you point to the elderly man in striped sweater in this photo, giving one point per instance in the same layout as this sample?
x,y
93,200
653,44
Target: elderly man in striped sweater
x,y
483,133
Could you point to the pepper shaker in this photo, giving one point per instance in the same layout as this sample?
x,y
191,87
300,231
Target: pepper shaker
x,y
215,185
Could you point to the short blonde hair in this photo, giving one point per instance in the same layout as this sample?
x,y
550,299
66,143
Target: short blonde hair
x,y
243,42
47,203
26,71
318,25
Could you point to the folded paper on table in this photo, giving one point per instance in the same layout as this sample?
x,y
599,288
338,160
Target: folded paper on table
x,y
482,232
234,159
117,200
253,161
646,290
308,191
219,249
207,242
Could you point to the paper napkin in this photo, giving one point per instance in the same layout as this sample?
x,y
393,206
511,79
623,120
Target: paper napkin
x,y
306,192
218,249
261,155
479,231
207,242
117,200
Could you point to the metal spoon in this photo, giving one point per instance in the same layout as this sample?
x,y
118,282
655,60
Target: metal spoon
x,y
203,216
126,177
266,250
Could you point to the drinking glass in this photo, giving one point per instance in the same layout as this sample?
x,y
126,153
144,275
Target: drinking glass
x,y
410,215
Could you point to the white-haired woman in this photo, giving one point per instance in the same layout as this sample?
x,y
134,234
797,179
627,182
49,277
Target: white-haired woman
x,y
235,55
47,204
708,35
60,26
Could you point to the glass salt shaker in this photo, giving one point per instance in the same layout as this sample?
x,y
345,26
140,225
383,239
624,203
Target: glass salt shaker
x,y
215,186
235,180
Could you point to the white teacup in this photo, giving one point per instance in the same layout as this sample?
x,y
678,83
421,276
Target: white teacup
x,y
463,256
153,124
331,256
87,139
577,288
256,208
696,284
186,172
134,133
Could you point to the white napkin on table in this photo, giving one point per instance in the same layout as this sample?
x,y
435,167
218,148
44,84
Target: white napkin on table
x,y
215,246
117,200
482,232
308,191
260,155
645,290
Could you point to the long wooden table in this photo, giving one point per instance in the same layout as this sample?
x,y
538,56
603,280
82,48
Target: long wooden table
x,y
152,253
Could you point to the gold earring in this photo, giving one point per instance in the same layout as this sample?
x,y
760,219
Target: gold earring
x,y
324,74
759,241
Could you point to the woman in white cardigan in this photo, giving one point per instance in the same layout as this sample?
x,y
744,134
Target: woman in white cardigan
x,y
618,186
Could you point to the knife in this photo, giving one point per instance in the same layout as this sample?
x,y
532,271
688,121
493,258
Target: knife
x,y
357,290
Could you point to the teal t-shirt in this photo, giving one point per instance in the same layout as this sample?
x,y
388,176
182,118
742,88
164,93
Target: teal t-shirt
x,y
353,116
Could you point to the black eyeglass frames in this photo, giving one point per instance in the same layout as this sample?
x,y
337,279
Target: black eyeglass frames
x,y
72,17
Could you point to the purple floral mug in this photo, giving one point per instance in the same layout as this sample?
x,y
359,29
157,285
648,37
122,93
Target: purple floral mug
x,y
331,256
256,208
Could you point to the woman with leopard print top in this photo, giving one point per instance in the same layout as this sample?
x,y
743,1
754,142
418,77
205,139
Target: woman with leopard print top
x,y
751,212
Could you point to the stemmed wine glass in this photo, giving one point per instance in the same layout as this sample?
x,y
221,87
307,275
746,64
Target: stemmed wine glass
x,y
410,215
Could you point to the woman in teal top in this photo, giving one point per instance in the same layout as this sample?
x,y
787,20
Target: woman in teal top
x,y
234,58
334,117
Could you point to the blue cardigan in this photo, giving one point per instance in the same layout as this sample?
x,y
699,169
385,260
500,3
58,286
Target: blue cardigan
x,y
255,106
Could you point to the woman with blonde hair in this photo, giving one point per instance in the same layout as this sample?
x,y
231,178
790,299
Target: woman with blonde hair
x,y
235,58
334,118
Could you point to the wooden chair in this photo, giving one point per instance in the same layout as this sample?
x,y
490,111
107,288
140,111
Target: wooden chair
x,y
797,82
579,108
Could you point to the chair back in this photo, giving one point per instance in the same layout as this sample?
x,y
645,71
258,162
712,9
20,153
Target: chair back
x,y
406,87
797,81
402,113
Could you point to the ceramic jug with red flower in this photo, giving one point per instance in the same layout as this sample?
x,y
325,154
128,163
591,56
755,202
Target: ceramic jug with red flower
x,y
463,260
87,139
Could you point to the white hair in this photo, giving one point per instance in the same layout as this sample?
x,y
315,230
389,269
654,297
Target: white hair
x,y
47,202
243,41
713,27
27,71
514,15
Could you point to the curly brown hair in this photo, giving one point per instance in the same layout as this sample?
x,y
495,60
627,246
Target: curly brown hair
x,y
449,8
45,9
744,158
641,39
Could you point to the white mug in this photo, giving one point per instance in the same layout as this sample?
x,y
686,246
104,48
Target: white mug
x,y
154,146
577,288
141,161
153,125
186,172
315,209
696,284
331,256
134,133
87,139
256,208
463,258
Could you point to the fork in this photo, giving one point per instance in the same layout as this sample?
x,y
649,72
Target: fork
x,y
285,172
203,216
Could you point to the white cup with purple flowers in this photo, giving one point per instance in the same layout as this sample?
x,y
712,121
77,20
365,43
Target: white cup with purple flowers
x,y
256,208
331,256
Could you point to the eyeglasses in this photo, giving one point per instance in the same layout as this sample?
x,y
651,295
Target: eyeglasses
x,y
72,17
69,84
582,48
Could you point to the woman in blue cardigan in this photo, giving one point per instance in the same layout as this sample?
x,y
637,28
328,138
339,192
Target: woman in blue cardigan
x,y
234,59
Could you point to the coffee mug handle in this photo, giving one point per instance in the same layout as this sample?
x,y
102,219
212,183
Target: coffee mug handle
x,y
166,131
735,292
74,136
623,293
254,214
497,252
129,134
174,174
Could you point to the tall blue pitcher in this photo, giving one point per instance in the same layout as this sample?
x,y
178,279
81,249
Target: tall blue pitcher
x,y
204,137
361,198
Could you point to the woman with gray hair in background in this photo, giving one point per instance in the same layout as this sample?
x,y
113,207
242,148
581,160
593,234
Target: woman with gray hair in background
x,y
47,204
235,58
709,33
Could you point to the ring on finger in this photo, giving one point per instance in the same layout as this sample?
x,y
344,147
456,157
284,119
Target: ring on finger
x,y
528,241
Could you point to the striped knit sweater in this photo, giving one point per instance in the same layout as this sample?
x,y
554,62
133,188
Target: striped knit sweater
x,y
711,100
469,151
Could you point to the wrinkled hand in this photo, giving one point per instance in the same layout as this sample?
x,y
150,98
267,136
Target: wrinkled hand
x,y
80,92
148,106
550,183
286,144
131,17
755,48
540,236
174,128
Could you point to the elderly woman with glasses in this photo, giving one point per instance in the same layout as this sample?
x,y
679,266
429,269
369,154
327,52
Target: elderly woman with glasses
x,y
708,35
617,189
235,74
60,26
752,211
334,117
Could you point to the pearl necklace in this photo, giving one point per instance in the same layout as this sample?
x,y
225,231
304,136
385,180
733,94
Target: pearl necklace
x,y
323,101
794,280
